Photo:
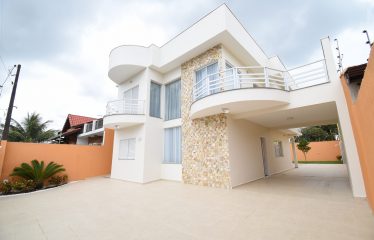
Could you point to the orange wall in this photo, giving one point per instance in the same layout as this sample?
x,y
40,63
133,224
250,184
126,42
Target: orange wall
x,y
362,117
320,151
79,161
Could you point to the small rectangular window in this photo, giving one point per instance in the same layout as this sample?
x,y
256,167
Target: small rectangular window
x,y
173,100
127,149
278,149
172,145
154,106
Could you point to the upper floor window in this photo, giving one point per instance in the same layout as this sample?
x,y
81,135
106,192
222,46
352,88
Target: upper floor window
x,y
132,93
154,105
207,80
132,105
173,100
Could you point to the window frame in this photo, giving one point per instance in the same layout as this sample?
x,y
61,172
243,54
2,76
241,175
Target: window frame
x,y
166,101
127,147
278,148
175,159
150,99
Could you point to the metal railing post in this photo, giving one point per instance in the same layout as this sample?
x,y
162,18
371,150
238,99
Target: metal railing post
x,y
285,81
236,78
266,77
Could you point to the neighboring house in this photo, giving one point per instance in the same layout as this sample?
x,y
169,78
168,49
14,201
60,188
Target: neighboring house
x,y
209,107
81,130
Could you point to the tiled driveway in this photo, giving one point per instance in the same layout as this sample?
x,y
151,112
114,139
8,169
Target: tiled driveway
x,y
312,202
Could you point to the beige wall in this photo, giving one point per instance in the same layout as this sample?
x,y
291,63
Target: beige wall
x,y
245,151
320,151
246,162
362,117
79,161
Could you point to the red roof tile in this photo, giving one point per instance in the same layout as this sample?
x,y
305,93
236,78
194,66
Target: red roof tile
x,y
78,120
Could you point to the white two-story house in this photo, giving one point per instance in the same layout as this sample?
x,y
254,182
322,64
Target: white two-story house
x,y
210,108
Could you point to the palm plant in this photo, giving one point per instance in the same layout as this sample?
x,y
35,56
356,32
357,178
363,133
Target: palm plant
x,y
31,129
37,172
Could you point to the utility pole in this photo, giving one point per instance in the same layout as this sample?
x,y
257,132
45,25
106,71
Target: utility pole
x,y
11,104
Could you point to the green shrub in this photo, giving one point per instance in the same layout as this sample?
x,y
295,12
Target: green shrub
x,y
5,186
22,185
36,171
58,180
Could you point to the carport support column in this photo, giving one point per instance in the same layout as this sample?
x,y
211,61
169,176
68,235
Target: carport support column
x,y
353,163
294,153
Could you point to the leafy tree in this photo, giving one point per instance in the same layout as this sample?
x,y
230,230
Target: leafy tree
x,y
319,133
303,146
37,172
31,129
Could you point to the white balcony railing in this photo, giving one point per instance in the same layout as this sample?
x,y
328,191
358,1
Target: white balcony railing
x,y
261,77
125,106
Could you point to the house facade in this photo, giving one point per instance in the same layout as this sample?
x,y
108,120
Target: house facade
x,y
210,108
81,130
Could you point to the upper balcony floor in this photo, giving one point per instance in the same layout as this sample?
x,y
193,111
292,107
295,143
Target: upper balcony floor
x,y
251,88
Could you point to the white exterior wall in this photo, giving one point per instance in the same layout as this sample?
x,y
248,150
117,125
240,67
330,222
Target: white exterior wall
x,y
138,79
279,164
150,134
353,162
230,58
245,152
154,145
129,170
171,172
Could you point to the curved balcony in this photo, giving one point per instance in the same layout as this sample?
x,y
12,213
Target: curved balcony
x,y
244,89
126,61
124,113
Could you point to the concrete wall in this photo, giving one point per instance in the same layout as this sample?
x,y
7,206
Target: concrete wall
x,y
362,116
79,161
129,170
320,151
245,152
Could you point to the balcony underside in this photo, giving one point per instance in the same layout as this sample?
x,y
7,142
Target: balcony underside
x,y
239,101
122,72
117,121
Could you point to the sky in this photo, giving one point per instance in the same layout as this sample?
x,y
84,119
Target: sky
x,y
64,46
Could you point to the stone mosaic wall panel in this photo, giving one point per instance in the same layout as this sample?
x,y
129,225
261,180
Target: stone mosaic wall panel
x,y
205,154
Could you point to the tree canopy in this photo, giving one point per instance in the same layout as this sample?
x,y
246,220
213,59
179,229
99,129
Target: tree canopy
x,y
319,133
31,129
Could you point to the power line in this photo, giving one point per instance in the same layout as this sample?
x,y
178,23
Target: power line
x,y
6,79
3,63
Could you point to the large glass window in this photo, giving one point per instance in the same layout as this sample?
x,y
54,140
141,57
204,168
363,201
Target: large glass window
x,y
173,100
204,87
127,149
172,145
154,106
